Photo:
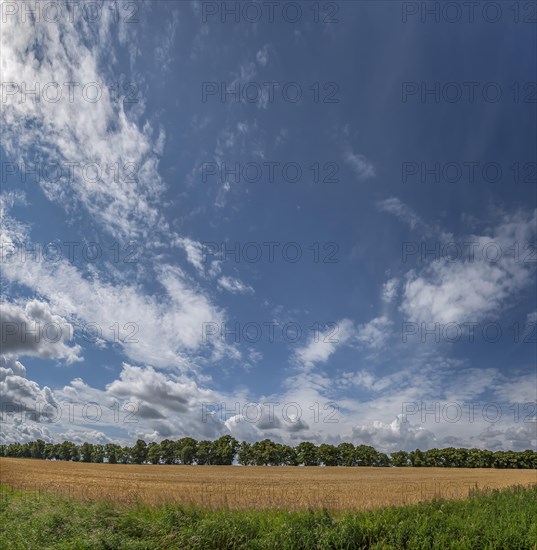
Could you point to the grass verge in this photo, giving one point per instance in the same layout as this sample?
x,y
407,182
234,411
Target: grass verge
x,y
495,519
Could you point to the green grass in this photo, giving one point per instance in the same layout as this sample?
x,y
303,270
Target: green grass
x,y
491,520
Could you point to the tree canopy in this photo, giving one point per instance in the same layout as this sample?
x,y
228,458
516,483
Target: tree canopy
x,y
226,450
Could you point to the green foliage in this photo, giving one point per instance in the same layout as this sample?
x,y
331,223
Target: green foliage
x,y
205,455
98,453
86,452
139,452
153,453
125,456
112,453
244,454
365,455
346,454
400,458
37,449
226,450
288,456
167,451
185,450
68,451
417,458
267,453
328,455
307,454
488,520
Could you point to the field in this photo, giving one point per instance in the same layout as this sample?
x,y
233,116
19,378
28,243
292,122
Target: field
x,y
84,506
255,487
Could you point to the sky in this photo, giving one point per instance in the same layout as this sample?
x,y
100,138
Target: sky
x,y
307,221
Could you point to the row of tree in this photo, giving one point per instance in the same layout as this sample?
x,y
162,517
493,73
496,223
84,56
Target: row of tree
x,y
227,450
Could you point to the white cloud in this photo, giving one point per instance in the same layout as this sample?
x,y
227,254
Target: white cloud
x,y
360,165
164,404
194,253
393,436
374,333
369,381
402,211
256,422
31,329
389,290
323,344
234,285
162,329
195,256
521,388
23,399
154,389
473,289
123,192
531,318
140,403
164,51
262,55
198,257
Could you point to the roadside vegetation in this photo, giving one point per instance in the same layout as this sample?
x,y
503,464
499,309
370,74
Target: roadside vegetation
x,y
487,520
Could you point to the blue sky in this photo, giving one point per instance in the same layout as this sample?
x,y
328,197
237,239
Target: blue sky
x,y
340,185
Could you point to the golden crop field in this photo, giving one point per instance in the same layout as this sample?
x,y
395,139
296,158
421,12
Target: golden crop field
x,y
254,487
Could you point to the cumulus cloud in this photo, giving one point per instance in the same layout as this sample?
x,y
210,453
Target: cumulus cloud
x,y
393,436
149,386
244,430
473,288
515,437
22,399
140,402
522,437
156,405
31,329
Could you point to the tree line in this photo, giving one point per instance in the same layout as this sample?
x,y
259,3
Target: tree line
x,y
227,450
